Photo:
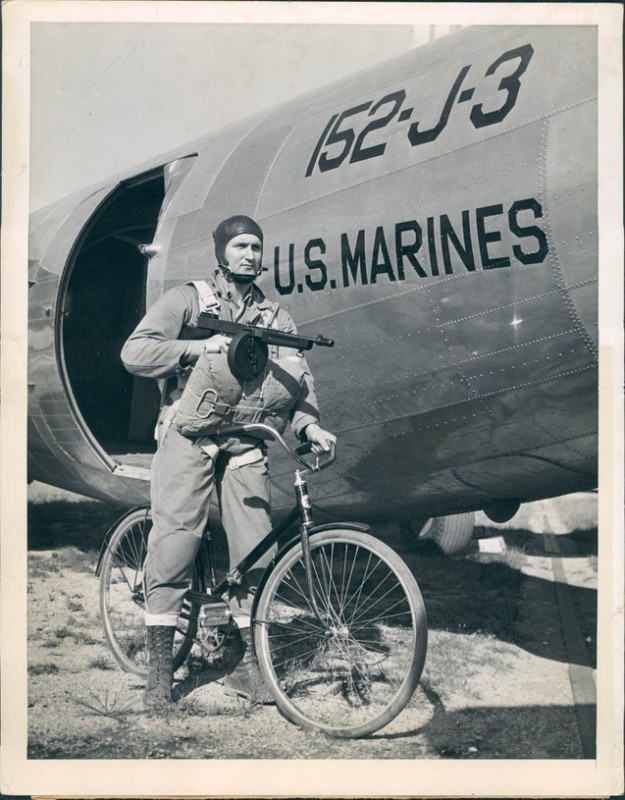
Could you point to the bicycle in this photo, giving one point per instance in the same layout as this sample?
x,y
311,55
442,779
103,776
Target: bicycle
x,y
340,629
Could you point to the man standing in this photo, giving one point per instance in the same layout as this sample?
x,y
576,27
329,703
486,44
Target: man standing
x,y
186,469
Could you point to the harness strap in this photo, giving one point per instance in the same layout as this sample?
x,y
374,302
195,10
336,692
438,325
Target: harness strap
x,y
270,314
206,296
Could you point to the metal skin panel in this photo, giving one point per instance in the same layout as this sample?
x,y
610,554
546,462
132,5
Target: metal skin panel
x,y
46,222
454,261
519,324
182,239
571,183
554,53
59,449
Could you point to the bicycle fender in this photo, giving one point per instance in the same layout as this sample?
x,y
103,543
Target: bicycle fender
x,y
327,526
348,526
295,539
111,531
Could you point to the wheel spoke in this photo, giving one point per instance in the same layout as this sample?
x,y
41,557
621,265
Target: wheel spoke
x,y
364,581
350,675
377,602
331,583
321,591
291,643
384,616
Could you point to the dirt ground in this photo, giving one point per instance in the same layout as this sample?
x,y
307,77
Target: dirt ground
x,y
495,686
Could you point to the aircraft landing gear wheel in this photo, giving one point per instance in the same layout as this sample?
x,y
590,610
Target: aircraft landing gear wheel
x,y
452,534
352,671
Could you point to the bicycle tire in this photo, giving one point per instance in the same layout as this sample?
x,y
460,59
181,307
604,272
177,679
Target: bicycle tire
x,y
122,600
353,674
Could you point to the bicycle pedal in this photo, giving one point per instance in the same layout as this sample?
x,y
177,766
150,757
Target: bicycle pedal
x,y
214,615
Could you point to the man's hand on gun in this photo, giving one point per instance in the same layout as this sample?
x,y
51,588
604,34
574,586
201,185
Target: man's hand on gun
x,y
218,343
320,439
247,345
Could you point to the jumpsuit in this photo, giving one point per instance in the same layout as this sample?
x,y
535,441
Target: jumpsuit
x,y
186,470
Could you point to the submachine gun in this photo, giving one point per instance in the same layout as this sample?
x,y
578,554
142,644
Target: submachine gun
x,y
248,351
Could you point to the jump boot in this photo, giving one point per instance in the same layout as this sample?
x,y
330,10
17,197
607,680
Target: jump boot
x,y
245,680
157,696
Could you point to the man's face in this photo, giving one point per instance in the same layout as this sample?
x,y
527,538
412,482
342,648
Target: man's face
x,y
243,254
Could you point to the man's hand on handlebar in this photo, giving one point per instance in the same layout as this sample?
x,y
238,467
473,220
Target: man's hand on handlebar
x,y
320,439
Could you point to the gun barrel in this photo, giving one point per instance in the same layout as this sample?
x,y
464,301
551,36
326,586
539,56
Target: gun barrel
x,y
208,323
283,339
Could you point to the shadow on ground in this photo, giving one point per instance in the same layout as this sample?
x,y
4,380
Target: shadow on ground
x,y
493,596
576,544
462,595
63,523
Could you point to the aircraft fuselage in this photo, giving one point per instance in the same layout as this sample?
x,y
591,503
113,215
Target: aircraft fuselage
x,y
436,216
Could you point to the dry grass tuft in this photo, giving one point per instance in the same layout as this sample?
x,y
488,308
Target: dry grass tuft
x,y
102,662
43,669
104,702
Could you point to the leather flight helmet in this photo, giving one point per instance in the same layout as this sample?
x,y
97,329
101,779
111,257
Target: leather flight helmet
x,y
228,229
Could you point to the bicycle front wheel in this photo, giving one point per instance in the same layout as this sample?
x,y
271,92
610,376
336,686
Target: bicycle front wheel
x,y
353,668
122,599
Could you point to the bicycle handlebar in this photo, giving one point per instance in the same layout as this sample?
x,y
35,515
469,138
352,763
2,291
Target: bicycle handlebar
x,y
296,455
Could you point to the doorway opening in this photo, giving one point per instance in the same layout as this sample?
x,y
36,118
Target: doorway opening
x,y
103,300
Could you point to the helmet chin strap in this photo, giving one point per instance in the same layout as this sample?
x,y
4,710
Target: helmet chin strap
x,y
233,276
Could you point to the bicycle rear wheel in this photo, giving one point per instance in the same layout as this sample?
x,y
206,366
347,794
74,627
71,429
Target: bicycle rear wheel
x,y
122,600
352,671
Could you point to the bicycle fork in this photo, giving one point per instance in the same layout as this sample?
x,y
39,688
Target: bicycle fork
x,y
305,508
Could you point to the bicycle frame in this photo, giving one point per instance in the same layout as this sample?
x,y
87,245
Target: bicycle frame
x,y
339,625
302,510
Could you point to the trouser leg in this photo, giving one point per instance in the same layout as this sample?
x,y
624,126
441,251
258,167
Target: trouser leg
x,y
245,511
183,477
244,497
